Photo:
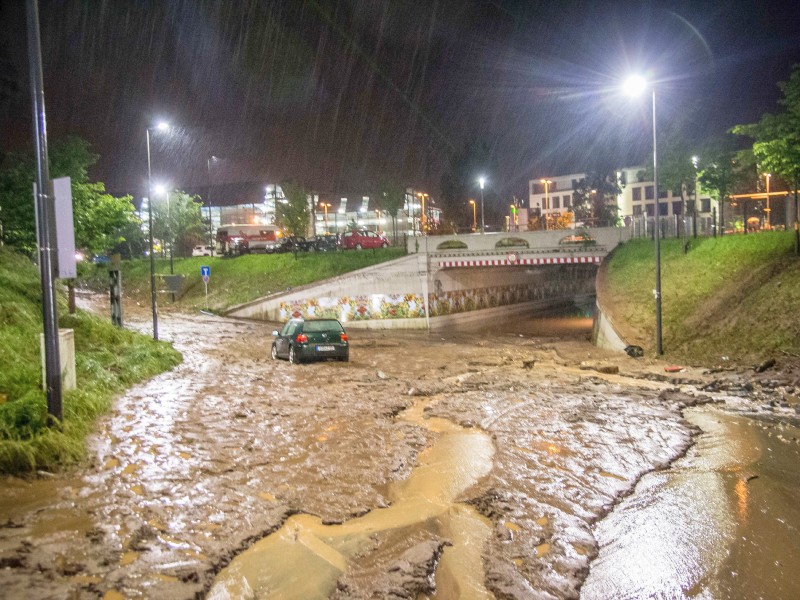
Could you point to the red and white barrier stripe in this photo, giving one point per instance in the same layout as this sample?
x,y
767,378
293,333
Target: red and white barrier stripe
x,y
504,262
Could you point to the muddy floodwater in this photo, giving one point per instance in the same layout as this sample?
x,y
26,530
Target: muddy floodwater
x,y
515,461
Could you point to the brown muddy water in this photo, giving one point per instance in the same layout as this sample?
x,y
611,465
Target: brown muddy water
x,y
722,522
446,465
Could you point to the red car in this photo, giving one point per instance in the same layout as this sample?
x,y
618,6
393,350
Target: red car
x,y
363,239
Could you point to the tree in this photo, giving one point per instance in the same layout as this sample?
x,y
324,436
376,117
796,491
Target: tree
x,y
777,140
676,169
393,197
595,199
177,219
293,215
97,215
718,173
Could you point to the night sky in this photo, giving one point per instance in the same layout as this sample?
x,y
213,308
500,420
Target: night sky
x,y
340,95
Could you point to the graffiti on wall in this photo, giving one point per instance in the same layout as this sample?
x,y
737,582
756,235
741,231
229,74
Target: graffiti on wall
x,y
412,306
355,308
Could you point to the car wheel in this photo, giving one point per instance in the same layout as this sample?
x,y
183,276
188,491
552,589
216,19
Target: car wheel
x,y
345,358
293,358
384,245
274,352
358,246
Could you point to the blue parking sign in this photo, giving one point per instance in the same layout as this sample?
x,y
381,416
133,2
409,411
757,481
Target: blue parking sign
x,y
205,271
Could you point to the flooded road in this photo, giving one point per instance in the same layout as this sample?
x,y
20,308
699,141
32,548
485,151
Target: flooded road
x,y
721,523
431,466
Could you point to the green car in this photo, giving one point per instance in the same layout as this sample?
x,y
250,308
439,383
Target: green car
x,y
303,340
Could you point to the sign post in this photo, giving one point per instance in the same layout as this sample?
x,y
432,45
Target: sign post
x,y
206,273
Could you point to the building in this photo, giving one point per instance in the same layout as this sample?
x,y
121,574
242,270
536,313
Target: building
x,y
555,195
251,203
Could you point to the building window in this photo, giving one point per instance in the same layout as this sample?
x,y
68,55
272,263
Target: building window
x,y
556,202
662,193
677,208
637,194
649,192
705,205
663,209
637,210
650,210
567,202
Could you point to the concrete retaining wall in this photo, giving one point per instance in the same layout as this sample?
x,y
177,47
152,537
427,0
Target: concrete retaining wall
x,y
406,294
603,333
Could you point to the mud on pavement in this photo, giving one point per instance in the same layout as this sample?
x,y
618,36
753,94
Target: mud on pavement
x,y
194,473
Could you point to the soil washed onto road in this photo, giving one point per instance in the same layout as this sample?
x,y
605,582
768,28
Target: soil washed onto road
x,y
430,466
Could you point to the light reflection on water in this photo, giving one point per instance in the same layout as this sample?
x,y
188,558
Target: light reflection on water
x,y
721,523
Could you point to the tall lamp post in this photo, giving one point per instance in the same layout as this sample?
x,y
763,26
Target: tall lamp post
x,y
482,182
422,196
546,206
160,127
768,210
326,206
474,219
635,85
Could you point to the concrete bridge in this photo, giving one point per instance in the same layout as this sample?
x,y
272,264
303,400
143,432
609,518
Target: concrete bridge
x,y
458,278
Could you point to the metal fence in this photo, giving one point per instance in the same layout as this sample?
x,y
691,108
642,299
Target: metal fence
x,y
672,226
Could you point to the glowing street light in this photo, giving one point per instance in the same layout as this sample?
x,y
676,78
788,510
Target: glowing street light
x,y
474,220
162,126
768,210
635,85
326,206
482,182
546,206
514,221
422,197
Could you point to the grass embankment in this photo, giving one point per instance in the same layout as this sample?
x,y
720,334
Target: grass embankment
x,y
234,280
108,360
735,296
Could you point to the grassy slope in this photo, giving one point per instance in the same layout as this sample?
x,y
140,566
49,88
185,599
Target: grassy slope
x,y
236,280
108,360
735,296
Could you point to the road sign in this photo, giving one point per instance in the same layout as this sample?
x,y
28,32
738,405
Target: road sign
x,y
205,278
205,272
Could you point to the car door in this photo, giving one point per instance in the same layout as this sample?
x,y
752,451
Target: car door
x,y
284,337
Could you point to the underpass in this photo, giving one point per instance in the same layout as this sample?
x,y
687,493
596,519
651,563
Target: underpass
x,y
458,278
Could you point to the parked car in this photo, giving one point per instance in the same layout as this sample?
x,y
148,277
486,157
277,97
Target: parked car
x,y
292,243
324,243
202,251
364,239
309,339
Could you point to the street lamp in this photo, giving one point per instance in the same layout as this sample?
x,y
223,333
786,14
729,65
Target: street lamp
x,y
326,206
635,85
422,197
163,191
474,220
546,206
768,210
482,182
160,127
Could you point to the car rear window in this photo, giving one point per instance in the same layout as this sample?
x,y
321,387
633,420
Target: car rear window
x,y
324,325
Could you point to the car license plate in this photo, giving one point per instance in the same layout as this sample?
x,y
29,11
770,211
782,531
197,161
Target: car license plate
x,y
324,348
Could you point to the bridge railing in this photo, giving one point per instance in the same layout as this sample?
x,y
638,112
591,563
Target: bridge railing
x,y
563,240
